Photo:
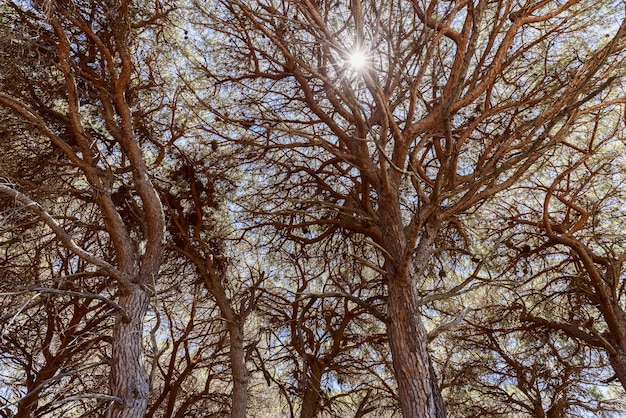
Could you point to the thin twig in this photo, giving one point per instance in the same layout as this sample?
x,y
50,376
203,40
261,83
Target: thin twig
x,y
106,300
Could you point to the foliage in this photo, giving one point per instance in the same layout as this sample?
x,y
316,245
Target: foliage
x,y
312,208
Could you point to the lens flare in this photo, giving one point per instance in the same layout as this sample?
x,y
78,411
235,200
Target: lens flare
x,y
358,59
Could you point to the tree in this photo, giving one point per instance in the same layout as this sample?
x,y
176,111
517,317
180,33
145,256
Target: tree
x,y
199,231
245,208
496,365
440,115
324,325
53,329
189,349
84,104
568,227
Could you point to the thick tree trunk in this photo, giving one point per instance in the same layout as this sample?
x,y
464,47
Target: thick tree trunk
x,y
28,404
129,380
239,370
311,398
418,391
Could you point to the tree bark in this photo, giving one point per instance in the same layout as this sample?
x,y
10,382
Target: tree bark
x,y
311,398
214,284
29,403
418,390
129,380
238,369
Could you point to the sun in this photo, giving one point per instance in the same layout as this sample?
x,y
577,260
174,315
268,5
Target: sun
x,y
358,59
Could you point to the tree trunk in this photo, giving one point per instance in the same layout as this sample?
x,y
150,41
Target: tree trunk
x,y
28,404
129,380
617,335
311,398
418,391
618,362
239,370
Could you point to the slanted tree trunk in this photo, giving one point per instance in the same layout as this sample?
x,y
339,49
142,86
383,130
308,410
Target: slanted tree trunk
x,y
618,362
615,340
603,274
214,283
54,359
29,403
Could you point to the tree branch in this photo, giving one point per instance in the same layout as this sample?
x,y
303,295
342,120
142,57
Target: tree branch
x,y
64,237
106,300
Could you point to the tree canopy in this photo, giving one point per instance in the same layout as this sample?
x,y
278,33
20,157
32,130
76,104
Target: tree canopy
x,y
317,208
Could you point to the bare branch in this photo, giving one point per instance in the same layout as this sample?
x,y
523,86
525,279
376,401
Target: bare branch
x,y
106,300
65,238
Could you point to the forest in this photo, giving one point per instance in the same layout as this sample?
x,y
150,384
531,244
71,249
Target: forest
x,y
314,208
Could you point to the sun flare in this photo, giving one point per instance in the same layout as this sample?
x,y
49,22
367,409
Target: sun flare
x,y
358,59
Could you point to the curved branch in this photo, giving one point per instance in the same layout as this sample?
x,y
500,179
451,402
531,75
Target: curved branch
x,y
363,304
65,238
96,296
